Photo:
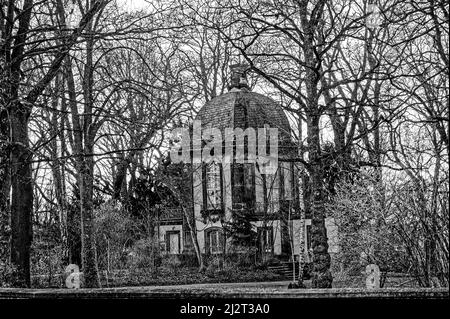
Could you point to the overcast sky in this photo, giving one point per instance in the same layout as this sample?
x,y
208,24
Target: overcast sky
x,y
134,4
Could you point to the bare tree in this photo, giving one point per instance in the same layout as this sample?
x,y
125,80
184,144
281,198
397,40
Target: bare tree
x,y
17,35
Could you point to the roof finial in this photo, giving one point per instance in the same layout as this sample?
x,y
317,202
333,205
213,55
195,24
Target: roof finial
x,y
238,76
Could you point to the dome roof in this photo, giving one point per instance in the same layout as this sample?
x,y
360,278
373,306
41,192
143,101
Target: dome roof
x,y
241,108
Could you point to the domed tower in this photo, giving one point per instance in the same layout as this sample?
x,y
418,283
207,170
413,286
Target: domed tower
x,y
226,189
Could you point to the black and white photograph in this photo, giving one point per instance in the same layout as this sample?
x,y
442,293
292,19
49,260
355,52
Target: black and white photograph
x,y
224,158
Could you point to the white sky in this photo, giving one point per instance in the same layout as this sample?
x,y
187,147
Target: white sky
x,y
134,4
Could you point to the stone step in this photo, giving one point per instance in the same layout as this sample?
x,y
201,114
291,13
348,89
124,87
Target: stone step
x,y
285,269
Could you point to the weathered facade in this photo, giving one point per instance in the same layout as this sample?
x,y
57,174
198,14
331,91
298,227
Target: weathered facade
x,y
221,190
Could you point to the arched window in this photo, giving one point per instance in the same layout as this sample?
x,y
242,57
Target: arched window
x,y
214,240
213,186
243,180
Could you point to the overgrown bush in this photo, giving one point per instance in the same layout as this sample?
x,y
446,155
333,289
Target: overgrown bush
x,y
7,274
141,255
365,231
389,225
47,265
242,256
171,262
113,232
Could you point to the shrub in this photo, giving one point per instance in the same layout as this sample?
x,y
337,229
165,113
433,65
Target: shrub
x,y
141,255
171,262
7,274
46,265
113,232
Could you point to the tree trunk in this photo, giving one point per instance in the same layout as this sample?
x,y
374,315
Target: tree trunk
x,y
86,173
88,250
120,178
21,193
20,155
321,258
301,197
193,232
57,166
74,214
73,232
5,185
18,115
